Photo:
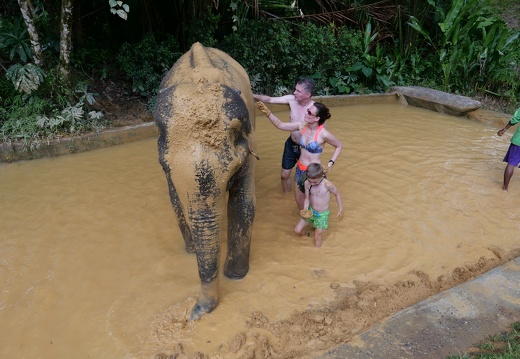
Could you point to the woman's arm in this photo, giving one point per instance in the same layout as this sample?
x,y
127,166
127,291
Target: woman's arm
x,y
333,141
285,126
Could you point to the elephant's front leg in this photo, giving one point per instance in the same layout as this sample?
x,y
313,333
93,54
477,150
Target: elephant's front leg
x,y
241,213
206,229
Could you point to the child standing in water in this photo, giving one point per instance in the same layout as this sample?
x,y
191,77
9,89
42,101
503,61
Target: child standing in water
x,y
513,153
316,207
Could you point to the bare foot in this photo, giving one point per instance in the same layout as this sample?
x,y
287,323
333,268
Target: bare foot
x,y
317,242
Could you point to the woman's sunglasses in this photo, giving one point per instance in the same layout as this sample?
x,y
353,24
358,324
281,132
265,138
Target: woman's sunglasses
x,y
310,113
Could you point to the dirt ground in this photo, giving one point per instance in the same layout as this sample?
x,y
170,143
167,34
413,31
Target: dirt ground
x,y
510,17
119,104
311,332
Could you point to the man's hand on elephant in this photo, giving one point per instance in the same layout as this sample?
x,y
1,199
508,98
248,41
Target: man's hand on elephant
x,y
262,107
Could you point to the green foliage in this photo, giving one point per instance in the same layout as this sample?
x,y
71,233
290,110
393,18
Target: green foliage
x,y
203,29
7,89
267,59
456,46
119,8
50,111
26,78
146,63
345,84
501,346
93,60
376,70
240,11
71,119
343,47
282,53
14,40
477,51
56,89
419,68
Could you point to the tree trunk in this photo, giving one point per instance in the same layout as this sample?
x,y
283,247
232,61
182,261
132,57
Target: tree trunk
x,y
65,39
33,34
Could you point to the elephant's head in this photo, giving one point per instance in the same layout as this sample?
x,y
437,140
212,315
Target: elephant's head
x,y
205,105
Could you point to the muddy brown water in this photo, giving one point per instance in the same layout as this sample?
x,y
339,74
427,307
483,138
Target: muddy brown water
x,y
92,263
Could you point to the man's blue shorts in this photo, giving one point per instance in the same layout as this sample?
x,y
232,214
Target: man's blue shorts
x,y
513,155
291,154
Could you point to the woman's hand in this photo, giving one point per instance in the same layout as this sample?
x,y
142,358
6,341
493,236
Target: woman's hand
x,y
328,168
262,107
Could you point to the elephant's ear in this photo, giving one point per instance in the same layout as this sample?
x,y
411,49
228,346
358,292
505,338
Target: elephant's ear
x,y
235,107
164,106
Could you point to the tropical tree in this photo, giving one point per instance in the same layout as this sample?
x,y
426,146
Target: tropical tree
x,y
65,39
28,17
476,49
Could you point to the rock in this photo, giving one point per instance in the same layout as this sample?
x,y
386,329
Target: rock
x,y
436,100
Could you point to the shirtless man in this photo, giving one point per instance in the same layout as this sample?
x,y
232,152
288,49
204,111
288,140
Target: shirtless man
x,y
299,102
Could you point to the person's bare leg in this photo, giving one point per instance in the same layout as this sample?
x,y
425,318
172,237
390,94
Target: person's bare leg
x,y
299,196
508,173
286,180
300,226
317,237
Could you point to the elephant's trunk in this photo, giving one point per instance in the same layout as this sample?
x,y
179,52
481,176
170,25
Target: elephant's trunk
x,y
206,230
205,218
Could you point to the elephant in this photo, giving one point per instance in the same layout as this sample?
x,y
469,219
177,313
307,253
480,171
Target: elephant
x,y
205,117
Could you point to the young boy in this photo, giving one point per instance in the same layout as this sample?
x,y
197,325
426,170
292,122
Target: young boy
x,y
513,153
316,205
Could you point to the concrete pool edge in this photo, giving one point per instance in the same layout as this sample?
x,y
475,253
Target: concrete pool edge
x,y
447,323
12,152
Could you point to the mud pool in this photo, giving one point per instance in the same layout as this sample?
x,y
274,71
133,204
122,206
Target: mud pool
x,y
92,263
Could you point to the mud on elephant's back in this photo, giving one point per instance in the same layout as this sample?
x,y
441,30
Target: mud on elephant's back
x,y
205,116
